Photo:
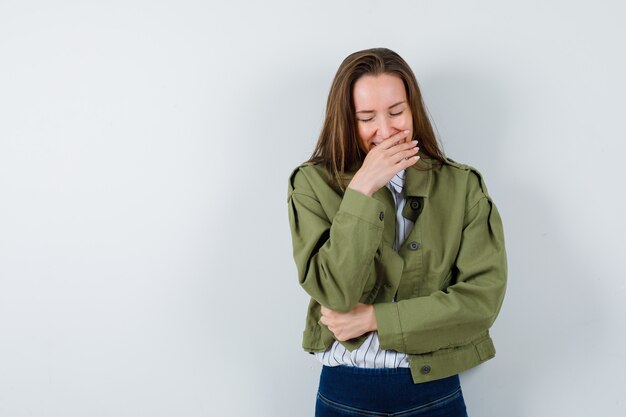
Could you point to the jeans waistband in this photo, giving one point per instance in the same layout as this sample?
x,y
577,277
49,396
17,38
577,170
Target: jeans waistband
x,y
383,388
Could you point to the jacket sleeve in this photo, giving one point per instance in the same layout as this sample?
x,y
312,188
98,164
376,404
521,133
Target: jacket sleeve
x,y
462,311
332,257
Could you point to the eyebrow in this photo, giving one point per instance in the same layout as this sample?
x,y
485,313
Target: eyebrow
x,y
390,107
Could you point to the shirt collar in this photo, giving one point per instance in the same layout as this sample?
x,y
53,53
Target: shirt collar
x,y
397,182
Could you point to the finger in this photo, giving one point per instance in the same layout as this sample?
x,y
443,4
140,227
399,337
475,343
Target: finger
x,y
408,162
402,147
399,156
401,136
393,139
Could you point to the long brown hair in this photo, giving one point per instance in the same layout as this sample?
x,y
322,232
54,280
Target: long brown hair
x,y
337,147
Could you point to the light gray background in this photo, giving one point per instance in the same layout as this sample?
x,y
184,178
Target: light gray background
x,y
145,258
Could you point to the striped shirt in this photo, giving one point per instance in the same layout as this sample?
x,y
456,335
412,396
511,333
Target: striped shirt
x,y
370,354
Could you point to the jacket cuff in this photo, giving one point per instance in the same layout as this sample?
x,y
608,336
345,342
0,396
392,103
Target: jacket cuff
x,y
389,328
365,208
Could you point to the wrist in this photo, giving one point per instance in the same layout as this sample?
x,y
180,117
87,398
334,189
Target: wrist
x,y
373,323
362,188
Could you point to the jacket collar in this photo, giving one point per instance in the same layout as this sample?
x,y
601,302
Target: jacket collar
x,y
418,177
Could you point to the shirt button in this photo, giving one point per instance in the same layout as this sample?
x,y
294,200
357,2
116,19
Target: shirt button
x,y
425,369
415,204
381,216
414,246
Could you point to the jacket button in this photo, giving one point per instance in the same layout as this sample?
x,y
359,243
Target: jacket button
x,y
425,369
414,246
381,216
415,204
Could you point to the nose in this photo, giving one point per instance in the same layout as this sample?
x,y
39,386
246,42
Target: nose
x,y
384,128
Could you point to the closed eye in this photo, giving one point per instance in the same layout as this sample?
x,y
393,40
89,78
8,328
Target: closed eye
x,y
392,114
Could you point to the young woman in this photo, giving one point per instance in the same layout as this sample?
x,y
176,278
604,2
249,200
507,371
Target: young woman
x,y
400,249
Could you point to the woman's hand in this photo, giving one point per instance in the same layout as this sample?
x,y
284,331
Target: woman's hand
x,y
346,326
384,161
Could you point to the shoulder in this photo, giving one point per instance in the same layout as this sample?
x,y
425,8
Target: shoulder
x,y
309,178
469,176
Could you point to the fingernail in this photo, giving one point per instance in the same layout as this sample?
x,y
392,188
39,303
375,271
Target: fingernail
x,y
406,131
414,142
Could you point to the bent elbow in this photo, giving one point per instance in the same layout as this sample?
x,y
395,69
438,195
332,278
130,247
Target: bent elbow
x,y
331,296
324,287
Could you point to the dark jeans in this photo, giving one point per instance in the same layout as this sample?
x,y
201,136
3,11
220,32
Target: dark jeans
x,y
350,391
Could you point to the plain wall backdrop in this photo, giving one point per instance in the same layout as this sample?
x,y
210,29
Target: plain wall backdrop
x,y
145,146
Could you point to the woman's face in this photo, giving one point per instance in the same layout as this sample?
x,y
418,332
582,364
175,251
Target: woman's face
x,y
382,109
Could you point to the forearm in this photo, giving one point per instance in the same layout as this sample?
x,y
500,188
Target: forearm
x,y
334,260
443,319
459,312
352,324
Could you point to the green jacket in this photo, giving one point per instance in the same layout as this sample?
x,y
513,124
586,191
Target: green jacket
x,y
449,275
